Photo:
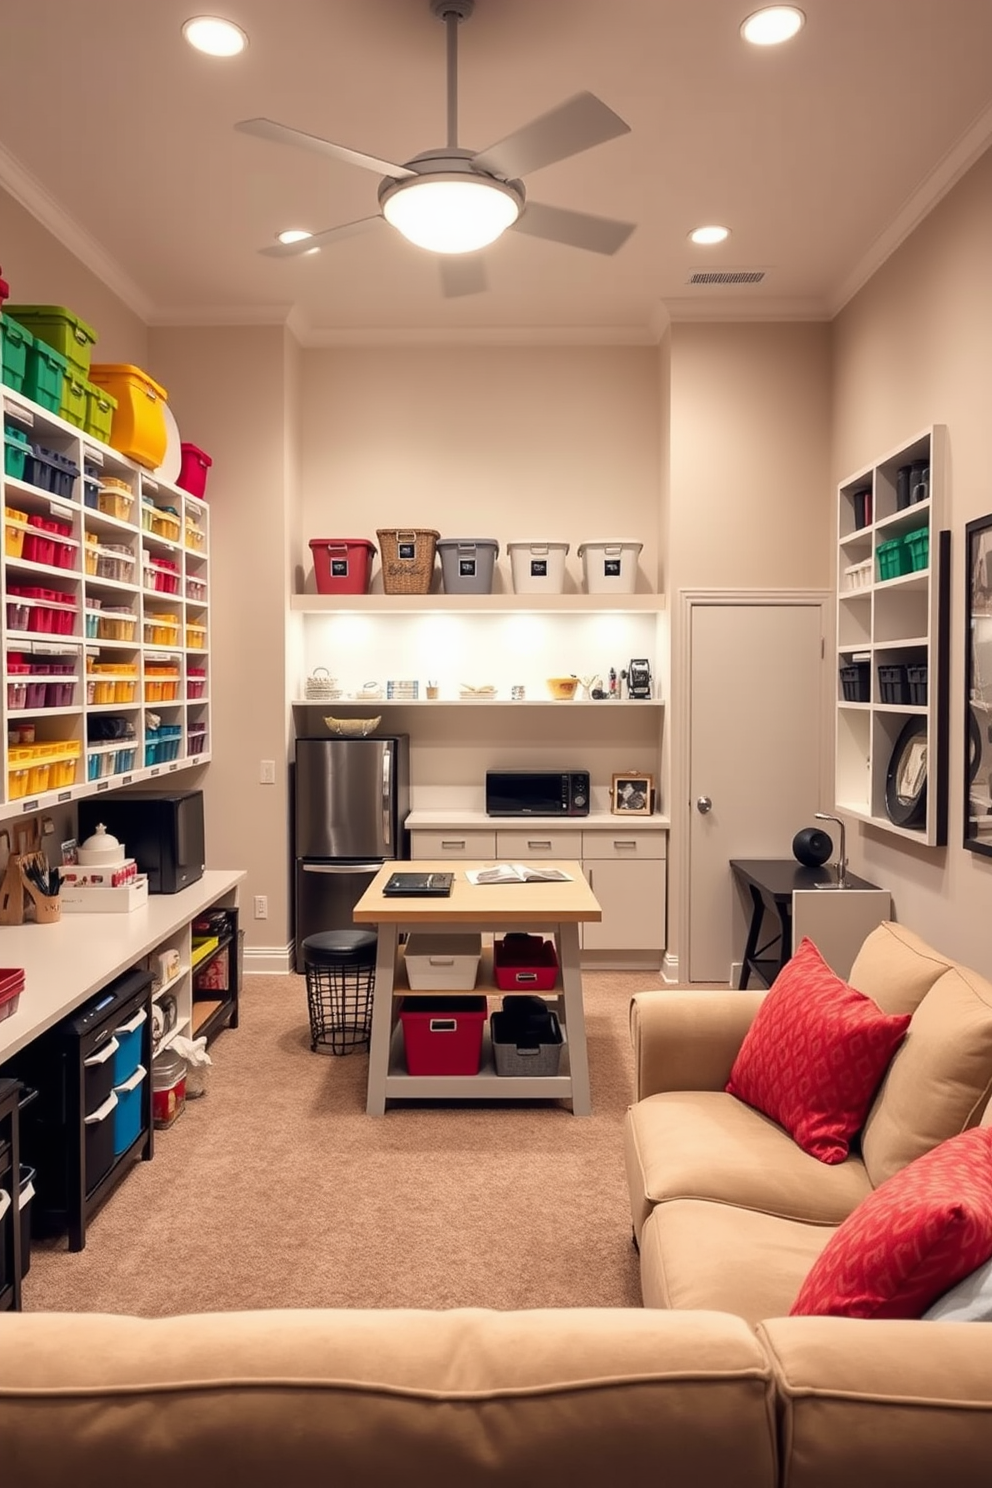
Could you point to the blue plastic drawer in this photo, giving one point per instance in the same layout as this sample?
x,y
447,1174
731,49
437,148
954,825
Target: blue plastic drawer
x,y
128,1056
127,1113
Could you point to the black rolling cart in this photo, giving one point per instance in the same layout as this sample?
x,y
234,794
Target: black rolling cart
x,y
93,1114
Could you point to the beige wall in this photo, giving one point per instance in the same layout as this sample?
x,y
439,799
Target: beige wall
x,y
914,348
227,389
41,271
542,443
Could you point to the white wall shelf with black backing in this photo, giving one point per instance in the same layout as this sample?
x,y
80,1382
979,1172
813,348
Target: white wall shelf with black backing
x,y
893,560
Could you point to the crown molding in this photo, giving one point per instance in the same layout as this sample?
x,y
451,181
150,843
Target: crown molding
x,y
222,315
32,195
934,186
481,336
738,307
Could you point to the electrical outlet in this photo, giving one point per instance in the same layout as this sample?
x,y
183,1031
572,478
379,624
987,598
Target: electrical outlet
x,y
261,907
267,772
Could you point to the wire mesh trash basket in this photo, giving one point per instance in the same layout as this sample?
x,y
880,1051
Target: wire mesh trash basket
x,y
339,966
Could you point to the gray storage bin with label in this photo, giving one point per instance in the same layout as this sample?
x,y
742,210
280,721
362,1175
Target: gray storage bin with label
x,y
467,564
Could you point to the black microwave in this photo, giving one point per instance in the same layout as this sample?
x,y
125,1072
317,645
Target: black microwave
x,y
537,793
162,831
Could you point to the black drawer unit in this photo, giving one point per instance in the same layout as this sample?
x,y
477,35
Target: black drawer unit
x,y
10,1229
67,1133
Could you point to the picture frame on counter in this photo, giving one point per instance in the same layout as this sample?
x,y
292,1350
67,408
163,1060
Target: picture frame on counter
x,y
632,794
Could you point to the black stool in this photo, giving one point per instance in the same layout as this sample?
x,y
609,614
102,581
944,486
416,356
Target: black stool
x,y
340,972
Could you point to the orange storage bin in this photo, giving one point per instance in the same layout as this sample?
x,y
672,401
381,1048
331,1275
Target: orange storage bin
x,y
139,429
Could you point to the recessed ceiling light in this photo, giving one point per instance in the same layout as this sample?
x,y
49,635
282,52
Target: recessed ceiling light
x,y
293,235
216,37
712,234
772,25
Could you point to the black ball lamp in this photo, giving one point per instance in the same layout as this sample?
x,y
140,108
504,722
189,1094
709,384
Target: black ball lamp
x,y
812,847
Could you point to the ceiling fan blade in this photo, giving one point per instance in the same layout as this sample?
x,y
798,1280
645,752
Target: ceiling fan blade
x,y
462,274
576,125
576,229
319,240
281,134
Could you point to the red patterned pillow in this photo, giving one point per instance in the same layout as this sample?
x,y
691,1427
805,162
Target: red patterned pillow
x,y
918,1234
813,1058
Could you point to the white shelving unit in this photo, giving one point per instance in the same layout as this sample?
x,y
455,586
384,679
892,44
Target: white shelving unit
x,y
157,633
892,641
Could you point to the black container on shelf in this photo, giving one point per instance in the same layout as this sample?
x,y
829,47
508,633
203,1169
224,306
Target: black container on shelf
x,y
904,486
855,681
916,678
893,686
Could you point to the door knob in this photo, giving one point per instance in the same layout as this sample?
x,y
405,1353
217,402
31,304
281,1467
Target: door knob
x,y
703,804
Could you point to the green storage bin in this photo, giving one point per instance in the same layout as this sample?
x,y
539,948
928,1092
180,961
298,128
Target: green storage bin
x,y
893,559
16,448
73,402
100,409
59,328
917,545
17,342
45,372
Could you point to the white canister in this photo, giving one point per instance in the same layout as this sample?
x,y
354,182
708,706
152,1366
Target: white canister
x,y
610,566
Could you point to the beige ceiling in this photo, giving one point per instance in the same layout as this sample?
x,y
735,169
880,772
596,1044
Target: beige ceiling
x,y
820,155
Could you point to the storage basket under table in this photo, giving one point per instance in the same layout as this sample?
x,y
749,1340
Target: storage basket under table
x,y
516,1052
407,557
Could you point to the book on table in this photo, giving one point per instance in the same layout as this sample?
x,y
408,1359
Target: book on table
x,y
516,873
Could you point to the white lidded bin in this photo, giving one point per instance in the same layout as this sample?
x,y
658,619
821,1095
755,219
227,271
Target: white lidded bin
x,y
537,567
443,962
610,567
467,564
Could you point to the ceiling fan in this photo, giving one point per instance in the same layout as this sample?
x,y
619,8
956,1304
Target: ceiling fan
x,y
454,201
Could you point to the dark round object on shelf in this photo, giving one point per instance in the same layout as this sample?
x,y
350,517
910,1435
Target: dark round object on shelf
x,y
906,777
812,847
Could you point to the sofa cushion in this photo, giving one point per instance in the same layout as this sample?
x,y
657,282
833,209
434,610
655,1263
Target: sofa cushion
x,y
939,1080
695,1253
814,1055
577,1396
968,1301
895,968
909,1241
705,1144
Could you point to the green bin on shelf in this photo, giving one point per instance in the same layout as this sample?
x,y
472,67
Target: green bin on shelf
x,y
46,369
17,342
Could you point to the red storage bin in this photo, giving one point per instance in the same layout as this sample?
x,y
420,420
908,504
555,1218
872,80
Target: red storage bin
x,y
525,962
342,565
193,470
443,1035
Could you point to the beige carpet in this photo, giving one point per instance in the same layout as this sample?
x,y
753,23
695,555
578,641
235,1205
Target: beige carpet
x,y
276,1190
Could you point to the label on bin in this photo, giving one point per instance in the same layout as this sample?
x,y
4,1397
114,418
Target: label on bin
x,y
339,568
611,568
406,549
466,568
539,568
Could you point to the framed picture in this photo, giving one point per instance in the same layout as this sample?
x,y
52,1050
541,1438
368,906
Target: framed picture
x,y
632,795
978,686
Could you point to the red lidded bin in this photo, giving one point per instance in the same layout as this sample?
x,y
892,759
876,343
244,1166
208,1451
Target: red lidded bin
x,y
342,565
193,471
443,1035
527,962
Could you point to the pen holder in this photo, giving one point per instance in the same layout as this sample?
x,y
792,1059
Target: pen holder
x,y
47,907
21,898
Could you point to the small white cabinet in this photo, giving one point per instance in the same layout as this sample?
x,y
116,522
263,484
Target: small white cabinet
x,y
627,873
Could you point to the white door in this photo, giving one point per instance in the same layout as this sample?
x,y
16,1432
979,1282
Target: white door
x,y
756,741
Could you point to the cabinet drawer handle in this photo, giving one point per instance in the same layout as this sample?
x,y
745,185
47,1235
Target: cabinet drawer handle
x,y
617,843
531,843
452,842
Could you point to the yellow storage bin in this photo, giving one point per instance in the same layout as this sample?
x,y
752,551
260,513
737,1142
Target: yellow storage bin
x,y
138,429
17,784
15,525
164,524
196,637
196,538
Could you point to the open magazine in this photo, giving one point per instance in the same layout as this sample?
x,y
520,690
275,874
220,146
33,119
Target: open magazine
x,y
516,873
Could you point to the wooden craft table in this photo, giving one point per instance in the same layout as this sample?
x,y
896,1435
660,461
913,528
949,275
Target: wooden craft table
x,y
557,908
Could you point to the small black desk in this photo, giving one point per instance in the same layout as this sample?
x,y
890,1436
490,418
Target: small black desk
x,y
770,883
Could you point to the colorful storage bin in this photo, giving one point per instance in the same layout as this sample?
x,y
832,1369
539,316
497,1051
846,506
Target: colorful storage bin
x,y
60,328
443,1035
100,409
73,403
139,429
43,379
17,341
342,565
16,448
115,498
193,470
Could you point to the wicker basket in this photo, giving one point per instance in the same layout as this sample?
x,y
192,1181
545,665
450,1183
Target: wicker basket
x,y
321,687
407,557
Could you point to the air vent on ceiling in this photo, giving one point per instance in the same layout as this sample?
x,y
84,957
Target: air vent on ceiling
x,y
726,276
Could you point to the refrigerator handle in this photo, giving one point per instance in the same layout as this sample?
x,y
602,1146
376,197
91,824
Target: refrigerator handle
x,y
386,797
341,867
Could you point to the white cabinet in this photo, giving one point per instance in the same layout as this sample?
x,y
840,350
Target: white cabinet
x,y
627,871
892,595
456,843
117,606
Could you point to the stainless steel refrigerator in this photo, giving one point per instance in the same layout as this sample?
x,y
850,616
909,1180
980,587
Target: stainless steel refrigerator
x,y
352,797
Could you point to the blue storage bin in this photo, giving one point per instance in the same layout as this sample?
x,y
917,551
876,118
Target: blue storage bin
x,y
127,1113
128,1056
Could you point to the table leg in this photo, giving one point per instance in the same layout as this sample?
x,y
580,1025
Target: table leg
x,y
382,1019
753,933
567,936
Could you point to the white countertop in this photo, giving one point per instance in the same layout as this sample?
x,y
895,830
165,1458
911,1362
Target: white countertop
x,y
461,818
66,962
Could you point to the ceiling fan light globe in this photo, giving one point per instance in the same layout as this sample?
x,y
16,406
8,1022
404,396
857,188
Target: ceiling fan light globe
x,y
450,215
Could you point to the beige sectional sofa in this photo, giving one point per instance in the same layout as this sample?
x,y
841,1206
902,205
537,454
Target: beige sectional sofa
x,y
710,1384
